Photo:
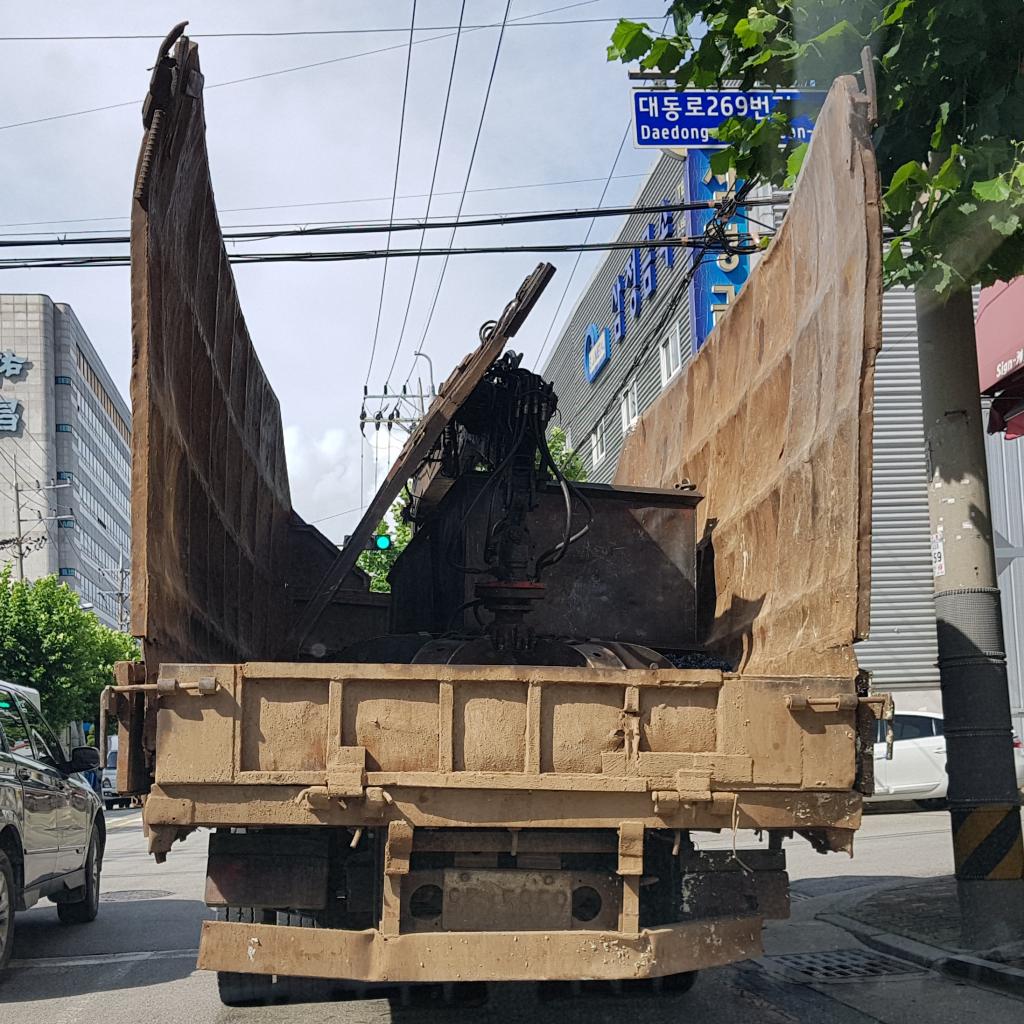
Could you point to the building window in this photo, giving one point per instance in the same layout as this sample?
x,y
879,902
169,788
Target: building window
x,y
64,474
628,407
63,428
66,524
669,353
598,448
64,571
62,380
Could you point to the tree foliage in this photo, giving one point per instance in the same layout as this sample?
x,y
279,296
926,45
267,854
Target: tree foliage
x,y
378,563
564,457
950,141
47,641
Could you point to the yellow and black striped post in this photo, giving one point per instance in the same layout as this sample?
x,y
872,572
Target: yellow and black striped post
x,y
987,843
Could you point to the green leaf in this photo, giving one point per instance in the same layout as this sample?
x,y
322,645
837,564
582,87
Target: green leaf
x,y
763,23
949,175
993,190
1005,223
794,162
894,260
936,140
910,172
722,161
834,32
630,41
894,12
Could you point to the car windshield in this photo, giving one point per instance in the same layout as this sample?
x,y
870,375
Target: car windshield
x,y
112,759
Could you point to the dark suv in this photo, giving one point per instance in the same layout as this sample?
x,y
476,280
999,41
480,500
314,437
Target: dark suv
x,y
52,831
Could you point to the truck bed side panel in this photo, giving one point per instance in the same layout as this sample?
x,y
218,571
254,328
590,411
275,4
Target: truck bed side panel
x,y
772,422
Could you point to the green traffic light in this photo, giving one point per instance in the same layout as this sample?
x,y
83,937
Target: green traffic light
x,y
383,541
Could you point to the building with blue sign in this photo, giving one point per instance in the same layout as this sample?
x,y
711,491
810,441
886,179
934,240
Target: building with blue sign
x,y
637,325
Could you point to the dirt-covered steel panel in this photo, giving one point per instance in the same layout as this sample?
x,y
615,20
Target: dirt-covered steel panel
x,y
772,423
211,506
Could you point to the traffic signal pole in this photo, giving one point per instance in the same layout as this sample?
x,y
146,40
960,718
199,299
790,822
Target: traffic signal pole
x,y
984,803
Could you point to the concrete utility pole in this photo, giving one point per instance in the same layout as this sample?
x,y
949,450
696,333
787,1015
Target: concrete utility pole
x,y
984,804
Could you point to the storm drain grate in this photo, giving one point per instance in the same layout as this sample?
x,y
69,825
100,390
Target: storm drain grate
x,y
132,895
843,965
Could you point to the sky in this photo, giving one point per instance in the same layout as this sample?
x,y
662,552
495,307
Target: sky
x,y
320,145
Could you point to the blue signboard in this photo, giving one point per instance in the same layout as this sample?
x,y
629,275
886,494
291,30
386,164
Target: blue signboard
x,y
671,118
720,275
644,270
597,350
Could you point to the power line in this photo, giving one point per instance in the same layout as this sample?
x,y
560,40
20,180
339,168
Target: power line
x,y
586,238
409,224
358,255
430,196
272,74
343,202
713,232
394,194
469,173
329,31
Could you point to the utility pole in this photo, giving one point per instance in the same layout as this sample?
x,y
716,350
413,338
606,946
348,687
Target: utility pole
x,y
984,805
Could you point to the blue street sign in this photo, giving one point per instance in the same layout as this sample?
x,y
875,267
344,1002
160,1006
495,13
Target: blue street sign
x,y
718,279
667,117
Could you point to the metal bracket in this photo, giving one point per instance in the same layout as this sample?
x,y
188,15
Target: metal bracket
x,y
205,687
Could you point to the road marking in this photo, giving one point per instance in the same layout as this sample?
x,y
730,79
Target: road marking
x,y
106,959
122,823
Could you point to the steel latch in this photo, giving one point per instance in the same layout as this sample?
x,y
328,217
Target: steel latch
x,y
205,687
839,702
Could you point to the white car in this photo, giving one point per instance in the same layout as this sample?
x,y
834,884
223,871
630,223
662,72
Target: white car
x,y
917,770
111,798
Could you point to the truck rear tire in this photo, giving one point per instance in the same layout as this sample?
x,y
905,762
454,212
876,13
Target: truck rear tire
x,y
244,989
237,989
677,984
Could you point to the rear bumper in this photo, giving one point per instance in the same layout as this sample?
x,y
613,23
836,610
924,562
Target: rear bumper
x,y
368,956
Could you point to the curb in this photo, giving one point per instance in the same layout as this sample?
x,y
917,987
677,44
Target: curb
x,y
986,973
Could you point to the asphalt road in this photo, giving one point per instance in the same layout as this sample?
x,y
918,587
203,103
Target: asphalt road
x,y
135,963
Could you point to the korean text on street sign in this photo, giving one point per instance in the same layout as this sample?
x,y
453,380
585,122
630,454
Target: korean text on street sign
x,y
667,117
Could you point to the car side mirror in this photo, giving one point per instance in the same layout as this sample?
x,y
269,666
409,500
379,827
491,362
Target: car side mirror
x,y
83,759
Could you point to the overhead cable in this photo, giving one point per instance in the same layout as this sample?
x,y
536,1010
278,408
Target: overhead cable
x,y
272,74
579,256
359,255
394,192
338,202
465,184
430,196
379,30
410,224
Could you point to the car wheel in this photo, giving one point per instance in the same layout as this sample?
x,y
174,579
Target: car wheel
x,y
85,910
6,910
109,804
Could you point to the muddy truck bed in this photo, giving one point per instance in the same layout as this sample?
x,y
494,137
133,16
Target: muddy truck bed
x,y
500,770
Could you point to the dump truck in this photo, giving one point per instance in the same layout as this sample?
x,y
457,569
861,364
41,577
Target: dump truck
x,y
502,770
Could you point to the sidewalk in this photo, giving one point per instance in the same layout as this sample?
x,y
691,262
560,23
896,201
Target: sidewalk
x,y
919,921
